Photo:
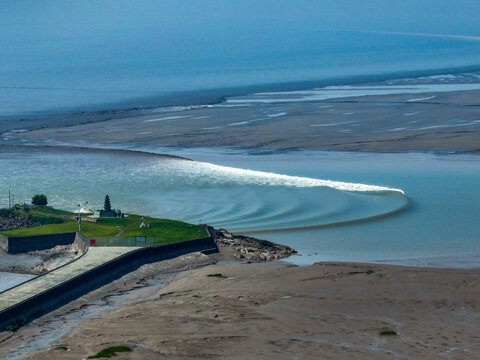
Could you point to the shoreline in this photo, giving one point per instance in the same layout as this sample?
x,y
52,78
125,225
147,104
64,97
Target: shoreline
x,y
386,121
193,99
328,309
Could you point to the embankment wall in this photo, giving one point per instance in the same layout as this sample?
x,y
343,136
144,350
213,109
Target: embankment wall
x,y
19,244
4,243
67,291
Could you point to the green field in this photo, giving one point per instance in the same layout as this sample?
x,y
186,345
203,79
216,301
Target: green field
x,y
112,231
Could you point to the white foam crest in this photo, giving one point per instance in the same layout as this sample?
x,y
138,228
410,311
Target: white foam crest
x,y
255,177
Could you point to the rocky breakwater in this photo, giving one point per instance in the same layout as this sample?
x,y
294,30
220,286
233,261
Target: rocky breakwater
x,y
248,248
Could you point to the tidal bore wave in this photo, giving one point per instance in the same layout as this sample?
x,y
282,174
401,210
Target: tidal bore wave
x,y
260,178
270,202
240,200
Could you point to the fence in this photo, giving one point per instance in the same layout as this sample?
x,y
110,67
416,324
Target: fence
x,y
134,241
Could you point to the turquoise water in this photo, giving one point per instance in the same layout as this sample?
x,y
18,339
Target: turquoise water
x,y
328,206
59,56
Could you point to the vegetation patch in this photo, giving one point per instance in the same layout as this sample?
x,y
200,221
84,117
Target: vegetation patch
x,y
43,220
16,324
388,333
63,348
216,275
39,199
111,351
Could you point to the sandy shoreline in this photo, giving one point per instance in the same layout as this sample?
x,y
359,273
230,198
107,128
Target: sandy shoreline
x,y
271,310
265,311
445,121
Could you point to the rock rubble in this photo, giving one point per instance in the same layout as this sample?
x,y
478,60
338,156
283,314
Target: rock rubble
x,y
248,248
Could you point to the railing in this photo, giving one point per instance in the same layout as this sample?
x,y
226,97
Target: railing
x,y
134,241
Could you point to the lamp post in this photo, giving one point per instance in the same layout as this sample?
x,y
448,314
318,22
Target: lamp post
x,y
79,219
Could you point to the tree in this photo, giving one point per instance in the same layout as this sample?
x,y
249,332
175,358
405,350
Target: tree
x,y
106,204
39,199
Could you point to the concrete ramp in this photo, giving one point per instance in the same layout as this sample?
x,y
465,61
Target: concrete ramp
x,y
95,257
99,266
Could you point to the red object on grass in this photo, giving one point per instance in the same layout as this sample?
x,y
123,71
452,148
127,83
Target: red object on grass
x,y
92,242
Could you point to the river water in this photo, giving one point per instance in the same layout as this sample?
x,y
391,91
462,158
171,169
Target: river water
x,y
417,209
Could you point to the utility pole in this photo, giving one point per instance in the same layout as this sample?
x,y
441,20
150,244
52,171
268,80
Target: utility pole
x,y
79,219
9,201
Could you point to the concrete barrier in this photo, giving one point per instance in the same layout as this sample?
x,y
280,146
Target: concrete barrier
x,y
73,288
19,244
4,243
80,243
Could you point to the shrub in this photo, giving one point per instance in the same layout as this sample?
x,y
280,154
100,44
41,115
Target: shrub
x,y
39,199
16,324
111,351
6,213
216,275
45,220
388,332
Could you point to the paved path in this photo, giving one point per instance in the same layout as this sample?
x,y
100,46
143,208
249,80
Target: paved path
x,y
93,258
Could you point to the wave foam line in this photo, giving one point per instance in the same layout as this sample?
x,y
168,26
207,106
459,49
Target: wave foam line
x,y
268,178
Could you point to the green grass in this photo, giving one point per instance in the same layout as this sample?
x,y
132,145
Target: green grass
x,y
216,275
117,231
69,226
111,351
48,210
166,230
388,332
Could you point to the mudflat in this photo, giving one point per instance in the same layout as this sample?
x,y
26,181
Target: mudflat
x,y
266,311
444,121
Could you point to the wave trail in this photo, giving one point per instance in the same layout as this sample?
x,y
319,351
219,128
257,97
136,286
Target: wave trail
x,y
404,207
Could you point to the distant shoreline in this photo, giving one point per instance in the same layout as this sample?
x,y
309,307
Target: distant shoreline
x,y
78,149
192,99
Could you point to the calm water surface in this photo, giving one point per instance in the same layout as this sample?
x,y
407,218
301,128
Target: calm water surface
x,y
329,206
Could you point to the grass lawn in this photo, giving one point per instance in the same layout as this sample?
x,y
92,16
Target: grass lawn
x,y
116,231
48,210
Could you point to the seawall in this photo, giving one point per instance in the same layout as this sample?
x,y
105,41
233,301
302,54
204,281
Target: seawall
x,y
105,273
20,244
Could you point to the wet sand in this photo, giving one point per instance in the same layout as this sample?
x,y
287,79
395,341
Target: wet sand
x,y
266,311
273,310
443,122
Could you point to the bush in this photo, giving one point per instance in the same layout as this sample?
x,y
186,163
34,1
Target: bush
x,y
39,199
45,220
216,275
6,213
16,324
109,352
388,332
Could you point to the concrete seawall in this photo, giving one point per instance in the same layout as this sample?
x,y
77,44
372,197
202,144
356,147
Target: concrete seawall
x,y
56,296
20,244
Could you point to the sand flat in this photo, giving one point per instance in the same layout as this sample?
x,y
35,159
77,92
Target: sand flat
x,y
281,311
442,121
